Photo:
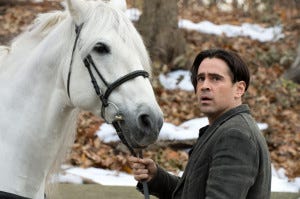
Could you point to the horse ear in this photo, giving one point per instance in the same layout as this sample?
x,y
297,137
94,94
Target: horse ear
x,y
121,4
77,9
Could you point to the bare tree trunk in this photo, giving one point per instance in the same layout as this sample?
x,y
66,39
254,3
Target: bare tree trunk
x,y
293,73
159,27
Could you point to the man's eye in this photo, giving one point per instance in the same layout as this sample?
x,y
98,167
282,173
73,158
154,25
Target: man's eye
x,y
101,48
216,78
200,79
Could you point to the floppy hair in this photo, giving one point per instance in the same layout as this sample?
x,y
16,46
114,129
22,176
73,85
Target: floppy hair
x,y
238,68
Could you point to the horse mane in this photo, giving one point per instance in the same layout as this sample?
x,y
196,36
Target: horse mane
x,y
32,36
38,30
44,23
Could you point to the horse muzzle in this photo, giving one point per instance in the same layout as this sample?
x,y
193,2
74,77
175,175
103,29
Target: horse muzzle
x,y
139,128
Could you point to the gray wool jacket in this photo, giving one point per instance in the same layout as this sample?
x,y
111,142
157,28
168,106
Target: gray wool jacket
x,y
230,160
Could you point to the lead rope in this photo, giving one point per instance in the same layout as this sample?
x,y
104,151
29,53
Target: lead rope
x,y
138,155
144,183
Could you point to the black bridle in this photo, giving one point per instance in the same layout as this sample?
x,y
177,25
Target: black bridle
x,y
88,62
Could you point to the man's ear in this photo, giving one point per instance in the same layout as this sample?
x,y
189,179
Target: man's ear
x,y
240,89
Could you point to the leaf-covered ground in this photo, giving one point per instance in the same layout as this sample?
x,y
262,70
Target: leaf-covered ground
x,y
273,100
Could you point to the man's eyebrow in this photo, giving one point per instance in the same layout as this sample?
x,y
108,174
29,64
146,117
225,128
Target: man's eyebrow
x,y
215,75
210,74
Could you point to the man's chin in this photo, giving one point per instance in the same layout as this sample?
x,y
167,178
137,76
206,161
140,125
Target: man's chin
x,y
205,109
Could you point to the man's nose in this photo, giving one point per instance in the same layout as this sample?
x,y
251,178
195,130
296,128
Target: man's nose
x,y
205,85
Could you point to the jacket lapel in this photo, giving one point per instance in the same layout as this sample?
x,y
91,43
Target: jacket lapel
x,y
209,132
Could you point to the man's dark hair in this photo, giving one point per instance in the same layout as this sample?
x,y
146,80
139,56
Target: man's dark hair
x,y
238,68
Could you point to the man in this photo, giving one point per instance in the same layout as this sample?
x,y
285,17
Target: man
x,y
230,159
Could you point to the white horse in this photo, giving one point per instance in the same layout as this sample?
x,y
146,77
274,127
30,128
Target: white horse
x,y
45,78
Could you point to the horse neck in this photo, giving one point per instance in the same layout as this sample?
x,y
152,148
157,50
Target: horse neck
x,y
36,100
39,80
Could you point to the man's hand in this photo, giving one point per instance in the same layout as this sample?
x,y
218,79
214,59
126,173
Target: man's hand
x,y
143,169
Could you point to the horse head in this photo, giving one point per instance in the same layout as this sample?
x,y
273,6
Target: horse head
x,y
109,52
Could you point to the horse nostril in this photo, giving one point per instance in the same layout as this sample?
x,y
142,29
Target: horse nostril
x,y
145,121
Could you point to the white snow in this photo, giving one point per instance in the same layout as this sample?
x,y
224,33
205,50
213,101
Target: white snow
x,y
179,79
254,31
169,131
280,183
102,176
133,14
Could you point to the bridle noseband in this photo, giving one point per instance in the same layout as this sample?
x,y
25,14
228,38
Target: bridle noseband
x,y
88,62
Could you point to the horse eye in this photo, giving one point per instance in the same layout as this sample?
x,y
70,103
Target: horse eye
x,y
101,48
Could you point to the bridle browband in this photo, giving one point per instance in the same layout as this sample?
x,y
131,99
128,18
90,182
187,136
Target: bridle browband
x,y
88,62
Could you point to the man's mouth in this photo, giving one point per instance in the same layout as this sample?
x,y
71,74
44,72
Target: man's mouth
x,y
205,99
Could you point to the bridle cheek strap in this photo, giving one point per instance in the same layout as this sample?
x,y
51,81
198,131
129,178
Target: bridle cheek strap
x,y
88,61
110,87
77,31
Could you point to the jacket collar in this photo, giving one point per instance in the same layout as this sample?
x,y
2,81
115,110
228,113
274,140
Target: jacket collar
x,y
243,108
207,131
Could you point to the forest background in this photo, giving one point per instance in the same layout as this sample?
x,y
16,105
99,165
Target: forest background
x,y
273,96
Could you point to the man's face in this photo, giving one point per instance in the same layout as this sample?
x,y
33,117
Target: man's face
x,y
215,91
